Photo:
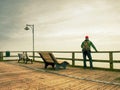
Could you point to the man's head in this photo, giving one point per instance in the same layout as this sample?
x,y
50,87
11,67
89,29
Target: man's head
x,y
86,37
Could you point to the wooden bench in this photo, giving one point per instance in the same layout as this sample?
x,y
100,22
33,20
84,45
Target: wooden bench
x,y
21,58
49,59
24,57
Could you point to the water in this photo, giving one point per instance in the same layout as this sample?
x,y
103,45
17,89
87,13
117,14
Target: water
x,y
96,56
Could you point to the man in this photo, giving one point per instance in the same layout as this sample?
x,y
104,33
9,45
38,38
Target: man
x,y
86,50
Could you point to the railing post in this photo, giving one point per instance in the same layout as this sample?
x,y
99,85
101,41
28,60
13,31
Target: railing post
x,y
73,59
111,60
1,55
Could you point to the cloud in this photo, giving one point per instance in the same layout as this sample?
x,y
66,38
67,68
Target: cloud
x,y
59,21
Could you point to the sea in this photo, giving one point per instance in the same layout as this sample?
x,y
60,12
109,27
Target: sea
x,y
95,56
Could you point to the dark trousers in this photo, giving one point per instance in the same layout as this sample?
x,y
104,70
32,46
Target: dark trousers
x,y
87,54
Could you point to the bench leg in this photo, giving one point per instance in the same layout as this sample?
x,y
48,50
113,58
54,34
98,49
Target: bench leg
x,y
53,66
31,61
57,67
46,65
64,66
18,60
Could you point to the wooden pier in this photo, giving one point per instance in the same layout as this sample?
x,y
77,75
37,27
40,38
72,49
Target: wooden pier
x,y
20,76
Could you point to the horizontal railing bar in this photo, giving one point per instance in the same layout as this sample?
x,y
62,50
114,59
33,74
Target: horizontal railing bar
x,y
82,60
115,61
73,58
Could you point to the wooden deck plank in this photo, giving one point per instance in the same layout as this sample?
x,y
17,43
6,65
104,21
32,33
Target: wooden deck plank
x,y
35,77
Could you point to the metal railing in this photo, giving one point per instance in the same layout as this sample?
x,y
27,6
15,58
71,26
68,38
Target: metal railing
x,y
110,61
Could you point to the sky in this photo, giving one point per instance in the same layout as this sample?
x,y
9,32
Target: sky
x,y
59,24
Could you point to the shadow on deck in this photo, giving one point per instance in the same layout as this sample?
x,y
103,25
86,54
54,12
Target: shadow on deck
x,y
34,77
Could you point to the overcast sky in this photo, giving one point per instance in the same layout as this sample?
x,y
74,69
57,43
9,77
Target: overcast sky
x,y
59,24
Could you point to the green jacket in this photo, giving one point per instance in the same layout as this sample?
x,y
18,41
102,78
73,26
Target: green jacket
x,y
90,44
